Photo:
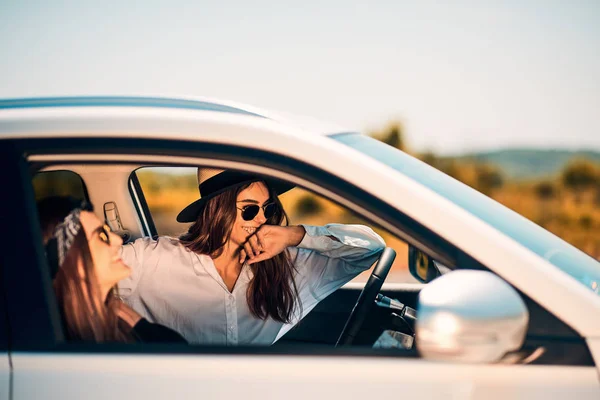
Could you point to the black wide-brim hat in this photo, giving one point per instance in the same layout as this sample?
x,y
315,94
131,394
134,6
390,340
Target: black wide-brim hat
x,y
213,182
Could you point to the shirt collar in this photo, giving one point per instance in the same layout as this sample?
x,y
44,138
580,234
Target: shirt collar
x,y
203,263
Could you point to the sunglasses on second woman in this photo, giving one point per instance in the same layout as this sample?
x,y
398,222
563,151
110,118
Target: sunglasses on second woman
x,y
251,211
103,233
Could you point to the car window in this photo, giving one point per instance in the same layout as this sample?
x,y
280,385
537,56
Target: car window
x,y
167,190
558,252
320,327
58,183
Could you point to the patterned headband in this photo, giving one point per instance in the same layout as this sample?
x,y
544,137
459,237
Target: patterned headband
x,y
65,233
63,237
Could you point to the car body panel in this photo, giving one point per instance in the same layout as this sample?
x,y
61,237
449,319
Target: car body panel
x,y
275,377
594,346
123,101
5,371
61,373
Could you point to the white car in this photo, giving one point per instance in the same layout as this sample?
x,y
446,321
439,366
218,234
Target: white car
x,y
514,314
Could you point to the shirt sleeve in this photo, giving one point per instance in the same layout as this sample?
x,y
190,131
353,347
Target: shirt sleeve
x,y
330,256
327,258
134,255
356,245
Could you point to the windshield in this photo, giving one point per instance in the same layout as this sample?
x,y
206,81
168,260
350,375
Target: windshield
x,y
558,252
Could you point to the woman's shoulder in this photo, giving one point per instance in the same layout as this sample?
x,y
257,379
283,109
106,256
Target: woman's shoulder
x,y
159,243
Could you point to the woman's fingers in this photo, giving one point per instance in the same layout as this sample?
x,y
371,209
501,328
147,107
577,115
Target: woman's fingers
x,y
243,256
253,240
259,235
266,243
260,257
252,247
249,250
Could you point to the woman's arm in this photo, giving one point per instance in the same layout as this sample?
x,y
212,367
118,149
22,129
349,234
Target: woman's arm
x,y
269,241
330,256
355,244
358,245
133,255
327,258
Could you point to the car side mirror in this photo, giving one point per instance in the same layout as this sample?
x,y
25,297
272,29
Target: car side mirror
x,y
421,266
470,316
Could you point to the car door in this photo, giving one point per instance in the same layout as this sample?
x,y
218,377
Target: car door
x,y
45,366
326,321
5,369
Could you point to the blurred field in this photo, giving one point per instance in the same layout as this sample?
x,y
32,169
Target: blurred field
x,y
566,203
571,215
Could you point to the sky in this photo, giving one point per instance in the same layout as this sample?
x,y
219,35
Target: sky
x,y
471,76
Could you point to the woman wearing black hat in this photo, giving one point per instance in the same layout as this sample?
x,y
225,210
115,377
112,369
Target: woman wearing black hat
x,y
238,276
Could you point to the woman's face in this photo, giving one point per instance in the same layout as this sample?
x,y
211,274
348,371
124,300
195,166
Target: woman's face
x,y
255,194
105,250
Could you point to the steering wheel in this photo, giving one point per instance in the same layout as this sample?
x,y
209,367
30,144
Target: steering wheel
x,y
367,297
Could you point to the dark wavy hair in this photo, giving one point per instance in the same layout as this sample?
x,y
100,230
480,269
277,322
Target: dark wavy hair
x,y
272,292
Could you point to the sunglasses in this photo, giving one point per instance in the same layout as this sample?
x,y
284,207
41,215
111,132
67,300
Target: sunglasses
x,y
251,211
103,233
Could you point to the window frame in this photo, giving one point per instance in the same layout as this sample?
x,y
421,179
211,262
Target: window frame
x,y
141,205
47,339
86,196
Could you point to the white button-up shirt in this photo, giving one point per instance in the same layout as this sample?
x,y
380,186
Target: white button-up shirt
x,y
178,288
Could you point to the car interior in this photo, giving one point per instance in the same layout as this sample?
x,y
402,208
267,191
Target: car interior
x,y
357,316
128,212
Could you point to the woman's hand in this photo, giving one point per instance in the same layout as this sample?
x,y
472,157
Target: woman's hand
x,y
270,240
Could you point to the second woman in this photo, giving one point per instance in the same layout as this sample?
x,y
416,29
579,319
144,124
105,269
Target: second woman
x,y
240,275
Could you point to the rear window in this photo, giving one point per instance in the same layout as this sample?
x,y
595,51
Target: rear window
x,y
58,183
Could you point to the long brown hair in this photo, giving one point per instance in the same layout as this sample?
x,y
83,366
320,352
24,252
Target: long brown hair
x,y
86,316
272,292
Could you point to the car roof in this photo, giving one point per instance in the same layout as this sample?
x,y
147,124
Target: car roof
x,y
179,103
125,101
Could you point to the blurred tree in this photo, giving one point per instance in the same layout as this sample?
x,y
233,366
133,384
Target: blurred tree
x,y
488,178
580,175
545,190
430,158
449,166
454,169
154,181
393,135
480,176
586,221
308,205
